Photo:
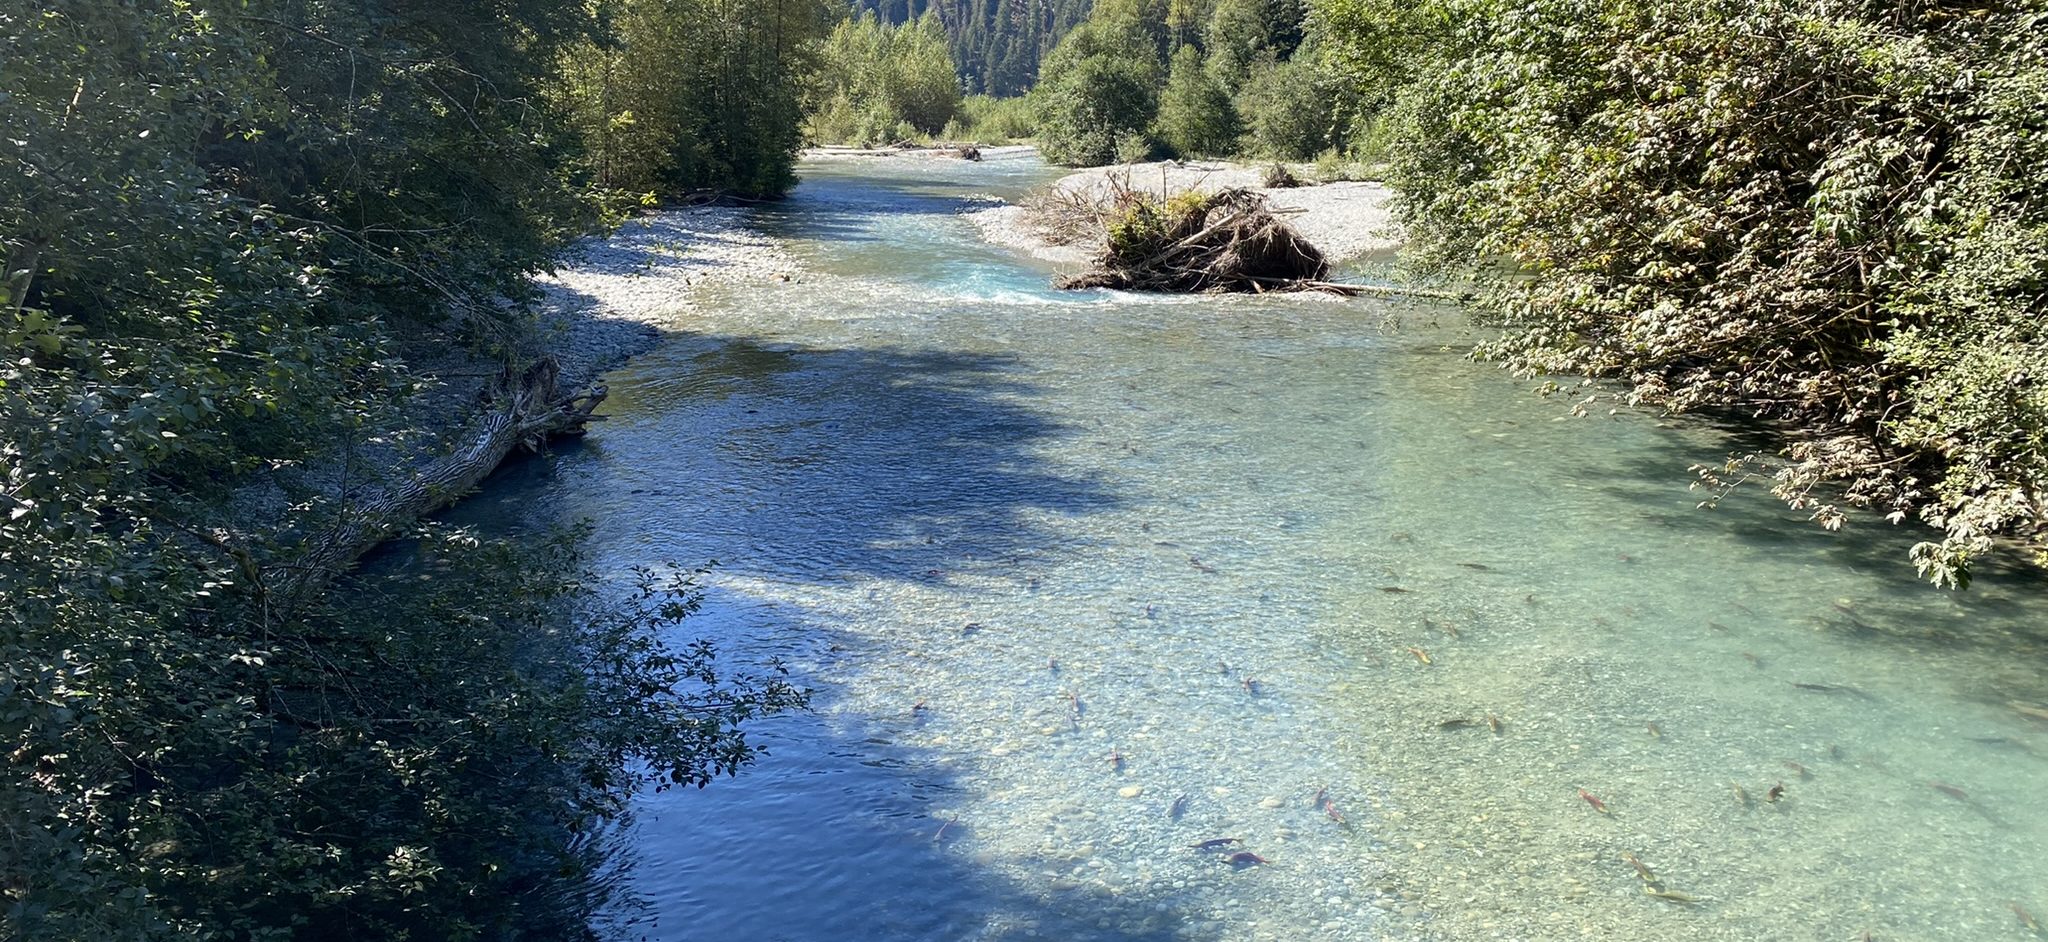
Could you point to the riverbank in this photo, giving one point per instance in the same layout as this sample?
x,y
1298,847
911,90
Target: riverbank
x,y
611,298
924,152
1346,220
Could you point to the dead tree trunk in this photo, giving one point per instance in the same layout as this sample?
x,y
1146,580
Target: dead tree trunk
x,y
524,408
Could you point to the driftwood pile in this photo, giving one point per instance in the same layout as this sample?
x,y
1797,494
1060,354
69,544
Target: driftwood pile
x,y
1229,240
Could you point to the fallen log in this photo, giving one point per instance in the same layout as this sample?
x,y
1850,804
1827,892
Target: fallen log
x,y
523,408
1352,289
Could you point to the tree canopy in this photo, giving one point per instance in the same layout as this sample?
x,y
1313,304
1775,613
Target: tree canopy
x,y
1195,114
1102,83
877,84
681,95
222,225
1193,78
996,45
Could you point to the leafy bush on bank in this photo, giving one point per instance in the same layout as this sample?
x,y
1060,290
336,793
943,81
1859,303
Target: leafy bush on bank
x,y
1829,215
218,221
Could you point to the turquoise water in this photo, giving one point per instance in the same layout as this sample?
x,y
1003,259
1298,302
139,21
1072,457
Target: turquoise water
x,y
1085,579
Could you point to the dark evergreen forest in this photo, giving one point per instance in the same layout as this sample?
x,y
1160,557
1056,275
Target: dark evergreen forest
x,y
997,44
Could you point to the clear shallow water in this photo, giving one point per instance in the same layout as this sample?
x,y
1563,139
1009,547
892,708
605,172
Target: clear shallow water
x,y
928,478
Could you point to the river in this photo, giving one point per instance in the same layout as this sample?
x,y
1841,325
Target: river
x,y
1083,579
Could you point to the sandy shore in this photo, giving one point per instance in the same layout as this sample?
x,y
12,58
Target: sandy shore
x,y
1345,220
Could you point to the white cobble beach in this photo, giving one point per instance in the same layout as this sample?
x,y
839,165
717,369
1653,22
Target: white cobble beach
x,y
614,297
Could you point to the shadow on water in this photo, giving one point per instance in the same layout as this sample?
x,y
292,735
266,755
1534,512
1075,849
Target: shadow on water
x,y
885,463
1767,529
829,465
1875,592
844,831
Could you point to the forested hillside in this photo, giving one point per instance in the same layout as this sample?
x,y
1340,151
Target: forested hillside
x,y
997,44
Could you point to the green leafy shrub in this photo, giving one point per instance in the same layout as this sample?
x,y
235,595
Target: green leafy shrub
x,y
1196,117
881,84
1292,108
674,96
1133,147
1334,166
1101,85
995,120
1830,215
1138,225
